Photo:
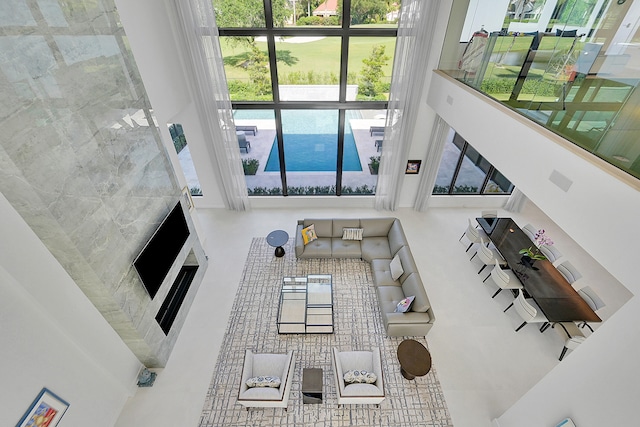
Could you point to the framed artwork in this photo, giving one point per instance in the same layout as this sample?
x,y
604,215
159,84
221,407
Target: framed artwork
x,y
45,411
413,166
186,195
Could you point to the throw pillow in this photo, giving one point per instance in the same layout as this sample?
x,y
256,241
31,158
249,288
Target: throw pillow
x,y
359,376
273,382
352,233
309,234
405,305
396,268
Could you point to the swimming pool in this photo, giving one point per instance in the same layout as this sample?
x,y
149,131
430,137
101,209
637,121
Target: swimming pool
x,y
310,140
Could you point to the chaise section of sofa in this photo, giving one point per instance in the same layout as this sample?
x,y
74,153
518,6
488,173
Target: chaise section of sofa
x,y
382,240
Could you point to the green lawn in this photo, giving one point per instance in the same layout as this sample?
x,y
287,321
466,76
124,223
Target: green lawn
x,y
321,56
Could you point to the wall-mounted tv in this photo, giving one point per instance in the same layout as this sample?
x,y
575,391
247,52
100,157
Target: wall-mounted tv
x,y
158,255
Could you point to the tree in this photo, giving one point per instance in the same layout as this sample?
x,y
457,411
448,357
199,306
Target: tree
x,y
249,13
364,11
372,71
259,71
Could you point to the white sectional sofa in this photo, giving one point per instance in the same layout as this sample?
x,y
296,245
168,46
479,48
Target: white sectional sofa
x,y
382,240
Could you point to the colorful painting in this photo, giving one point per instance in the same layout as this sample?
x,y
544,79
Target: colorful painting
x,y
413,166
45,411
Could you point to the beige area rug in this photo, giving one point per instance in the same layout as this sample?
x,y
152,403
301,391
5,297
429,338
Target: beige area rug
x,y
358,326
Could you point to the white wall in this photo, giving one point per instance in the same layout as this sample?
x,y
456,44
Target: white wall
x,y
600,213
53,337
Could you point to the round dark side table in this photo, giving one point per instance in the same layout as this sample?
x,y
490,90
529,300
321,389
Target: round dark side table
x,y
414,358
277,238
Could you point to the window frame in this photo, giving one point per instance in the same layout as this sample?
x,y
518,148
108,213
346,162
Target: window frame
x,y
345,32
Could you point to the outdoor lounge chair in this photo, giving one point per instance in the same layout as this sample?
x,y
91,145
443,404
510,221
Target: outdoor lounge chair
x,y
242,142
378,144
247,128
376,130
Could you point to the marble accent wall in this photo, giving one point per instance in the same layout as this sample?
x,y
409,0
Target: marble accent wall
x,y
82,161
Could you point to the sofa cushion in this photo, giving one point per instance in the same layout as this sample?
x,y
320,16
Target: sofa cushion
x,y
324,227
389,297
266,381
308,234
412,285
375,247
408,263
352,233
320,248
340,224
376,227
382,273
357,390
405,304
261,393
396,237
396,267
359,376
352,360
345,248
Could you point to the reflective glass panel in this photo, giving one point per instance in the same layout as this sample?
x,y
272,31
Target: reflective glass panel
x,y
310,151
471,173
308,68
498,184
375,13
570,66
184,156
256,130
369,68
246,65
240,14
363,141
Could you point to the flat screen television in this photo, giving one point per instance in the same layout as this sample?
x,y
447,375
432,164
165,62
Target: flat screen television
x,y
158,255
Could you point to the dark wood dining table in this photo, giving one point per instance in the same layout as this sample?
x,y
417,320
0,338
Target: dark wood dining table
x,y
541,280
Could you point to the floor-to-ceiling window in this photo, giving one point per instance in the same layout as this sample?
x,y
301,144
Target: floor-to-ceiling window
x,y
309,83
464,171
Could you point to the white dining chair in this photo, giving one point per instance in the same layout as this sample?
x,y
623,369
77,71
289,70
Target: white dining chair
x,y
528,310
550,252
473,234
488,256
530,231
504,279
489,214
571,335
592,299
569,271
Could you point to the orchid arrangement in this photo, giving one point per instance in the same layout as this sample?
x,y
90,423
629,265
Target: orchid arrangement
x,y
540,238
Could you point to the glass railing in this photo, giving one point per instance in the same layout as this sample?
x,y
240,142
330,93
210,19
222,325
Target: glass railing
x,y
566,84
582,87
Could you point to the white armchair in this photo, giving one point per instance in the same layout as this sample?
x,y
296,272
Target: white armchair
x,y
262,365
344,361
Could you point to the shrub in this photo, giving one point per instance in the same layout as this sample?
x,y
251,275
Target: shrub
x,y
318,20
250,166
179,142
374,164
309,190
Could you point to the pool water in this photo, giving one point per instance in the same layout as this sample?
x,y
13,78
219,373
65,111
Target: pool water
x,y
310,140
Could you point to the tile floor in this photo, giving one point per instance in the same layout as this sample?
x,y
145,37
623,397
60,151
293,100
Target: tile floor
x,y
483,364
